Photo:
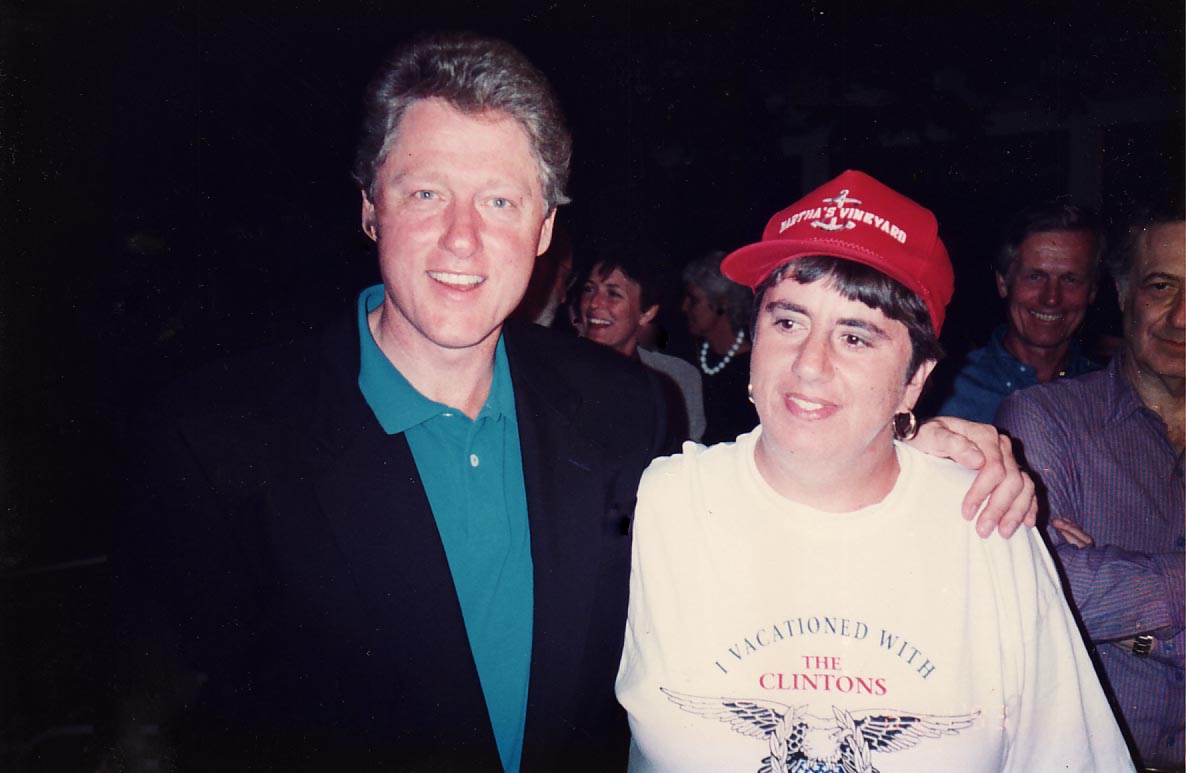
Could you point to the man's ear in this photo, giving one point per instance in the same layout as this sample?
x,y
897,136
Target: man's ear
x,y
1002,285
368,218
1121,294
648,316
545,233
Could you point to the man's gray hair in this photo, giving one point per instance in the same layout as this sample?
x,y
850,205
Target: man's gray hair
x,y
1120,261
1043,218
475,75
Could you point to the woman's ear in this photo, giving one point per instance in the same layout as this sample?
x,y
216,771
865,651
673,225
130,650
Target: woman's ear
x,y
648,316
915,383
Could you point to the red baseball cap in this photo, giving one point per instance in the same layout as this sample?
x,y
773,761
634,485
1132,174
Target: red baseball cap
x,y
857,218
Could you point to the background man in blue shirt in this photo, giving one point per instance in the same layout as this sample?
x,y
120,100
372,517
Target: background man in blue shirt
x,y
1109,449
1045,272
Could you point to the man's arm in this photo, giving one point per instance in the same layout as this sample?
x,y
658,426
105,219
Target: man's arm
x,y
172,577
1002,493
1119,593
1046,659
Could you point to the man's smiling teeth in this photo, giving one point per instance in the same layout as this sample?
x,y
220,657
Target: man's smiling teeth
x,y
806,405
457,280
599,321
1046,317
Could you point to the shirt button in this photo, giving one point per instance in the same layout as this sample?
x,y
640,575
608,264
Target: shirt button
x,y
473,460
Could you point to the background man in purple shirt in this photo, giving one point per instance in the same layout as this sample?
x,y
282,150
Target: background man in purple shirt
x,y
1109,448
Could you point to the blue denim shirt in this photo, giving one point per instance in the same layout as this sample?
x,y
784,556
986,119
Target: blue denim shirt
x,y
990,373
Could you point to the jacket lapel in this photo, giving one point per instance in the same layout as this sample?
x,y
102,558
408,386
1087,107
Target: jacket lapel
x,y
370,491
562,475
368,488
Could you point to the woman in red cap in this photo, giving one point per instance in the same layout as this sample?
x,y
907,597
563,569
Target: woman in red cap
x,y
805,599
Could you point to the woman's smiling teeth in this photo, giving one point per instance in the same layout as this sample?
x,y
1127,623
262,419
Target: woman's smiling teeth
x,y
806,405
457,280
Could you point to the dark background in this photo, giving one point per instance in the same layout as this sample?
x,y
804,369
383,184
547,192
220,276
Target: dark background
x,y
174,184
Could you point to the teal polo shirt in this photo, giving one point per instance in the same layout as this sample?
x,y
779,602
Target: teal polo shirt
x,y
473,476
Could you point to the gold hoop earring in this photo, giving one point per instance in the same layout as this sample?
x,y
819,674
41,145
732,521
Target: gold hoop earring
x,y
749,388
905,425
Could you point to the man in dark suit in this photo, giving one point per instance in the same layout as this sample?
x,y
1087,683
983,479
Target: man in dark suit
x,y
403,544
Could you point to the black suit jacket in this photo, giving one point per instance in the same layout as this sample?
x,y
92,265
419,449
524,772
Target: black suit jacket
x,y
281,545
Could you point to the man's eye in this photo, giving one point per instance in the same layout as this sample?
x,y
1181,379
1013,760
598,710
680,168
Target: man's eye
x,y
424,195
500,203
854,340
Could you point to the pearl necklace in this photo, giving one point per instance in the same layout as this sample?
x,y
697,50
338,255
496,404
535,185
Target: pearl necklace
x,y
715,369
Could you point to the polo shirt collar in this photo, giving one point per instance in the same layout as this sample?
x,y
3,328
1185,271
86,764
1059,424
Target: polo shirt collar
x,y
394,401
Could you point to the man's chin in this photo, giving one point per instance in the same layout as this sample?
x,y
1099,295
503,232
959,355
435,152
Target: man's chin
x,y
465,338
1047,339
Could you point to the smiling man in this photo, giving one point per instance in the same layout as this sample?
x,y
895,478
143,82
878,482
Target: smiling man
x,y
1109,449
1046,274
403,543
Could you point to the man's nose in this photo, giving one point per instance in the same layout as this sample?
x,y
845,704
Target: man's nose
x,y
1178,310
1051,294
461,236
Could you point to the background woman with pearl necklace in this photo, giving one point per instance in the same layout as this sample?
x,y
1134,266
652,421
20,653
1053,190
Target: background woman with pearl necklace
x,y
718,313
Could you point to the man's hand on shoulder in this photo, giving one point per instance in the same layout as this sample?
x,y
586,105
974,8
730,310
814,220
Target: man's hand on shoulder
x,y
1002,495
